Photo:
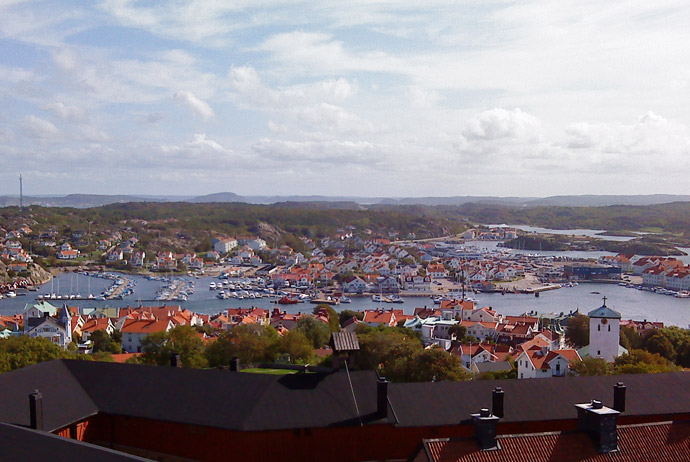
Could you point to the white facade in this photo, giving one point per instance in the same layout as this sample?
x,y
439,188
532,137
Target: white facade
x,y
604,333
223,246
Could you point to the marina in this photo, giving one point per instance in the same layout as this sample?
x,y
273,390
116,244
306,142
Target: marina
x,y
631,302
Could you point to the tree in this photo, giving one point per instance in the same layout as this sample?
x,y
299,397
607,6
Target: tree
x,y
642,362
433,364
630,339
590,366
459,331
22,351
296,345
333,319
248,342
183,340
657,342
349,314
385,347
104,342
577,331
316,331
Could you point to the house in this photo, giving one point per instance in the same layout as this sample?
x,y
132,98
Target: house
x,y
437,271
542,363
382,317
354,285
138,258
57,330
133,331
224,245
114,255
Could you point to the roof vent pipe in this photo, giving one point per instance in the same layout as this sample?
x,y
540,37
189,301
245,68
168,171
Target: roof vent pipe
x,y
619,397
382,397
36,410
497,397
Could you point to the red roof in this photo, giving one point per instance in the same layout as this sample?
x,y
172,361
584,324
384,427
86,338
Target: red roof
x,y
664,441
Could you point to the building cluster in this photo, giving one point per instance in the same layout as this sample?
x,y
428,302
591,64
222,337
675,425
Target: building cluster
x,y
64,325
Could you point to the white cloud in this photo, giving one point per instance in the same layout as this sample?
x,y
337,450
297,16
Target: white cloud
x,y
36,127
196,105
65,112
499,123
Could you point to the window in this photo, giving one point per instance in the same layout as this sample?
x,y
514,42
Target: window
x,y
598,352
558,367
609,328
599,327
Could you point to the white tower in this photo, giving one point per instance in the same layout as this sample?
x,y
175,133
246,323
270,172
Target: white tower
x,y
604,333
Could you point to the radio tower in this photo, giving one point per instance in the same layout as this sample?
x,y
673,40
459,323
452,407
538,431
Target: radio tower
x,y
21,193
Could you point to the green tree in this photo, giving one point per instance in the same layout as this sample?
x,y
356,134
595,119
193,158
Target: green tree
x,y
316,331
158,347
22,351
349,314
296,345
333,320
658,342
385,347
590,366
642,362
433,364
630,339
248,342
104,342
577,331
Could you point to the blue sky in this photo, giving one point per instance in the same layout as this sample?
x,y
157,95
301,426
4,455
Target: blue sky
x,y
364,98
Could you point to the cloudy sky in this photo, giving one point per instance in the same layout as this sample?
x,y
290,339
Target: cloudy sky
x,y
360,98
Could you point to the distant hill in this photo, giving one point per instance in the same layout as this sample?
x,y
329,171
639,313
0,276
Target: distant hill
x,y
75,200
589,200
217,197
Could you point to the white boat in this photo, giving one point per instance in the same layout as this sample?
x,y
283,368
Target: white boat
x,y
212,286
11,294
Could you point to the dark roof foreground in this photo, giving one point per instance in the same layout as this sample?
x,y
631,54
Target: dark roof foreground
x,y
664,441
74,390
23,444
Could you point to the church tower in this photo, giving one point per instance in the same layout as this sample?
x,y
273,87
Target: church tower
x,y
604,333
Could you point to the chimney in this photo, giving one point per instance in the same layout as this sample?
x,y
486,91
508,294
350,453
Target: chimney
x,y
485,429
497,401
599,422
619,397
175,360
235,364
36,410
382,397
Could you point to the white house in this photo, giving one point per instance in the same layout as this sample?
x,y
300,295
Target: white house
x,y
133,331
224,245
542,363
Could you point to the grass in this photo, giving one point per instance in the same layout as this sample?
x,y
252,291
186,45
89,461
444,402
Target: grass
x,y
257,370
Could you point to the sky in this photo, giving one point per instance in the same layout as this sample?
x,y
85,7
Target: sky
x,y
356,98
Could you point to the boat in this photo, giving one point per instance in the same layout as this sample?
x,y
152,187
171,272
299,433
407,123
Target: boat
x,y
11,294
345,300
395,299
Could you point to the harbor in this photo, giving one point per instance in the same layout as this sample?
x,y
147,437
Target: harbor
x,y
630,302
